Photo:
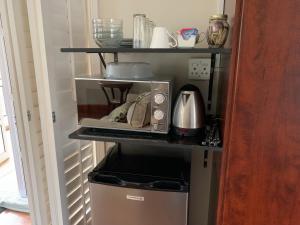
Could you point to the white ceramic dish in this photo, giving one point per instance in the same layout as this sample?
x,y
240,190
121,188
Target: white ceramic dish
x,y
189,43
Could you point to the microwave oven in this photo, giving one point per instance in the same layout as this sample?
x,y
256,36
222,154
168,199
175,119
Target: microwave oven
x,y
129,105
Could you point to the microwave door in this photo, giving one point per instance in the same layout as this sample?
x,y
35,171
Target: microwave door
x,y
122,105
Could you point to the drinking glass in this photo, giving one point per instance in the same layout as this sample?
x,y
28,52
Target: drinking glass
x,y
139,24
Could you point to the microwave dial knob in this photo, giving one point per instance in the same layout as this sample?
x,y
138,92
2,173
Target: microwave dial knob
x,y
159,98
158,114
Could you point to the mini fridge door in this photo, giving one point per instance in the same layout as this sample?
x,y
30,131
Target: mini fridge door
x,y
113,205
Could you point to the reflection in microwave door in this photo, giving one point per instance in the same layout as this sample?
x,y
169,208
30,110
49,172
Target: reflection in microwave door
x,y
136,113
119,114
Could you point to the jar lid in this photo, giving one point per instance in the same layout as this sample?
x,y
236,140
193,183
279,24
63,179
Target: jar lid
x,y
218,17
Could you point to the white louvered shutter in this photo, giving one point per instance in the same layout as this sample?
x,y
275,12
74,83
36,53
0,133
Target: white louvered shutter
x,y
77,165
62,24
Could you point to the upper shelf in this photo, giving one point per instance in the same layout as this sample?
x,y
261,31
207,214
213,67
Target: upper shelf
x,y
149,50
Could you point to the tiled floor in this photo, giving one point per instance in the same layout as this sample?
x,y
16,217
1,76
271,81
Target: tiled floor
x,y
9,193
9,217
8,179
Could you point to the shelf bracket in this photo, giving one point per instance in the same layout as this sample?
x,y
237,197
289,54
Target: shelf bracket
x,y
211,81
116,59
102,60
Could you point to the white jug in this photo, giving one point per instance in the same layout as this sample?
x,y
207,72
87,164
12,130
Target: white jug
x,y
160,38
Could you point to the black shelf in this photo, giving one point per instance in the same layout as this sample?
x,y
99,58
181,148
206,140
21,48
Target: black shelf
x,y
168,140
148,50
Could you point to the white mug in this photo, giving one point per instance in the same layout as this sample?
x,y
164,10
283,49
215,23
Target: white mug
x,y
160,38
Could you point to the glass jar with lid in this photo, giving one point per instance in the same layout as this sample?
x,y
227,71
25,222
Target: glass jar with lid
x,y
217,31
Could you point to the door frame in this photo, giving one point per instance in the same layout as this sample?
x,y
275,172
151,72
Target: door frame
x,y
40,62
10,113
3,155
33,180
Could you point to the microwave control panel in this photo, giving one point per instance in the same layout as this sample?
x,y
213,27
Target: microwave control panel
x,y
161,106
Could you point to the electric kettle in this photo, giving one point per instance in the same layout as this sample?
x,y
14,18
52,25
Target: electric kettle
x,y
189,111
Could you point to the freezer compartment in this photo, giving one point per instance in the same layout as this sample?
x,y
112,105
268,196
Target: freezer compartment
x,y
136,181
151,172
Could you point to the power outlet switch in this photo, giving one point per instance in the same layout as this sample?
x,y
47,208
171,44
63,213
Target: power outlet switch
x,y
199,68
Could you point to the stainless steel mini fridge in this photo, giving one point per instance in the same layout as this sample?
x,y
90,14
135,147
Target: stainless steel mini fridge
x,y
131,189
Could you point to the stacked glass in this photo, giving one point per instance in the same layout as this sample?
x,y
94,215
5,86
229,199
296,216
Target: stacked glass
x,y
108,32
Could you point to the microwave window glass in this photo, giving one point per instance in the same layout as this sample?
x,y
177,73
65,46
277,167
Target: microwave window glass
x,y
113,104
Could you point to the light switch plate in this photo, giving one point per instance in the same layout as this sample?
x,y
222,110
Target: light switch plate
x,y
199,68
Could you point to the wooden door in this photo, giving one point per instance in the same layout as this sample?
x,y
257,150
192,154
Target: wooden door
x,y
260,182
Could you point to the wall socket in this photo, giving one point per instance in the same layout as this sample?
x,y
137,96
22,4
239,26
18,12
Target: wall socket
x,y
199,68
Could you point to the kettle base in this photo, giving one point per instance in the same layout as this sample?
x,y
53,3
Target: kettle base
x,y
188,132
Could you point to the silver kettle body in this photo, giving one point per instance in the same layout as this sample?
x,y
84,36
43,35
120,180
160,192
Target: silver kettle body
x,y
189,111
